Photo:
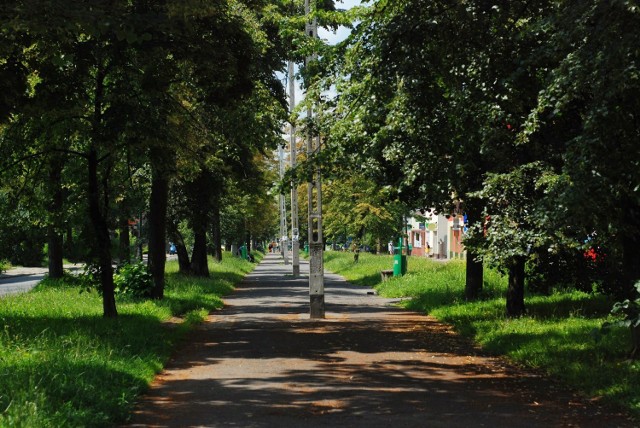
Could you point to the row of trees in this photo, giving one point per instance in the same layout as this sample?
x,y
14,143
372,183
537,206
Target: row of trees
x,y
525,113
115,108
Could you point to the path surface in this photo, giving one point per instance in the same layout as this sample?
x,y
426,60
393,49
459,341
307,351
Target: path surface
x,y
20,279
261,362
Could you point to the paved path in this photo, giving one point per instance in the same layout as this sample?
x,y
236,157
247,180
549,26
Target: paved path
x,y
22,279
261,362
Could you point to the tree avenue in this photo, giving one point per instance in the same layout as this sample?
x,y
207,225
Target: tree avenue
x,y
522,113
107,102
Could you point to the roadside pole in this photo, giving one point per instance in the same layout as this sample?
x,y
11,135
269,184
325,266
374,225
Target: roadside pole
x,y
295,243
316,245
283,210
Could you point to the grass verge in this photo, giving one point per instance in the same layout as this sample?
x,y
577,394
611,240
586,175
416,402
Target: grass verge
x,y
63,364
555,336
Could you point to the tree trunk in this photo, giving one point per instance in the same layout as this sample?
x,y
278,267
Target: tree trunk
x,y
55,252
183,258
201,193
157,222
217,236
475,270
68,242
474,277
199,263
515,290
103,240
181,249
630,265
55,242
125,241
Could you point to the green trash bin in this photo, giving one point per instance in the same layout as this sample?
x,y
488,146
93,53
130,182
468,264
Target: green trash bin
x,y
399,262
243,252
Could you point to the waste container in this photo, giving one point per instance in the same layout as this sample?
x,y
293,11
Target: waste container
x,y
399,262
243,252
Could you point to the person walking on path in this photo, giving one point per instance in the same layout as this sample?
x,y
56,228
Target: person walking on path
x,y
261,362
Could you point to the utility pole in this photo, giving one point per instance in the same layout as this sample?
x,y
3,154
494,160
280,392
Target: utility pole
x,y
295,234
283,210
316,244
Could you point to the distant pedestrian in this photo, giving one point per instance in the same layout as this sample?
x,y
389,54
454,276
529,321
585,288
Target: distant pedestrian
x,y
391,247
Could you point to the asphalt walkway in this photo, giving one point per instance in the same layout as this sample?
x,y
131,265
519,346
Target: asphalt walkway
x,y
22,279
261,362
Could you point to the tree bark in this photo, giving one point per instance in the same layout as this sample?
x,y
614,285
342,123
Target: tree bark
x,y
55,252
475,270
217,236
635,341
98,214
68,242
515,290
124,241
199,263
103,240
157,222
181,249
55,241
630,265
201,193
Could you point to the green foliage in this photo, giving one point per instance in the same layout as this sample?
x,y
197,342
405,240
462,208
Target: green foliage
x,y
133,280
354,207
628,311
4,265
89,278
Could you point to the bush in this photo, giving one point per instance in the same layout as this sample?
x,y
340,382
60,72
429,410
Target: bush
x,y
133,280
4,265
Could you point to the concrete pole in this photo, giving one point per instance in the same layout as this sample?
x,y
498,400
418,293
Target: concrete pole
x,y
314,191
295,243
283,211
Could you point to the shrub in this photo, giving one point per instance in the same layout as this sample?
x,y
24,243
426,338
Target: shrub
x,y
133,280
4,265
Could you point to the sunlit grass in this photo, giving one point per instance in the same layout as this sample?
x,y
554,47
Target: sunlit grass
x,y
556,335
63,364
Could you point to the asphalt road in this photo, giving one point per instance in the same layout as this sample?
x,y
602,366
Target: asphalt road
x,y
19,284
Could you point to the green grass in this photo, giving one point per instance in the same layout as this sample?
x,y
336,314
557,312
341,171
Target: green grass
x,y
556,335
63,364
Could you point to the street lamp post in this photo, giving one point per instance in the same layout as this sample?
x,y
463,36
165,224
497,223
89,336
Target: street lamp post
x,y
295,243
314,192
283,210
